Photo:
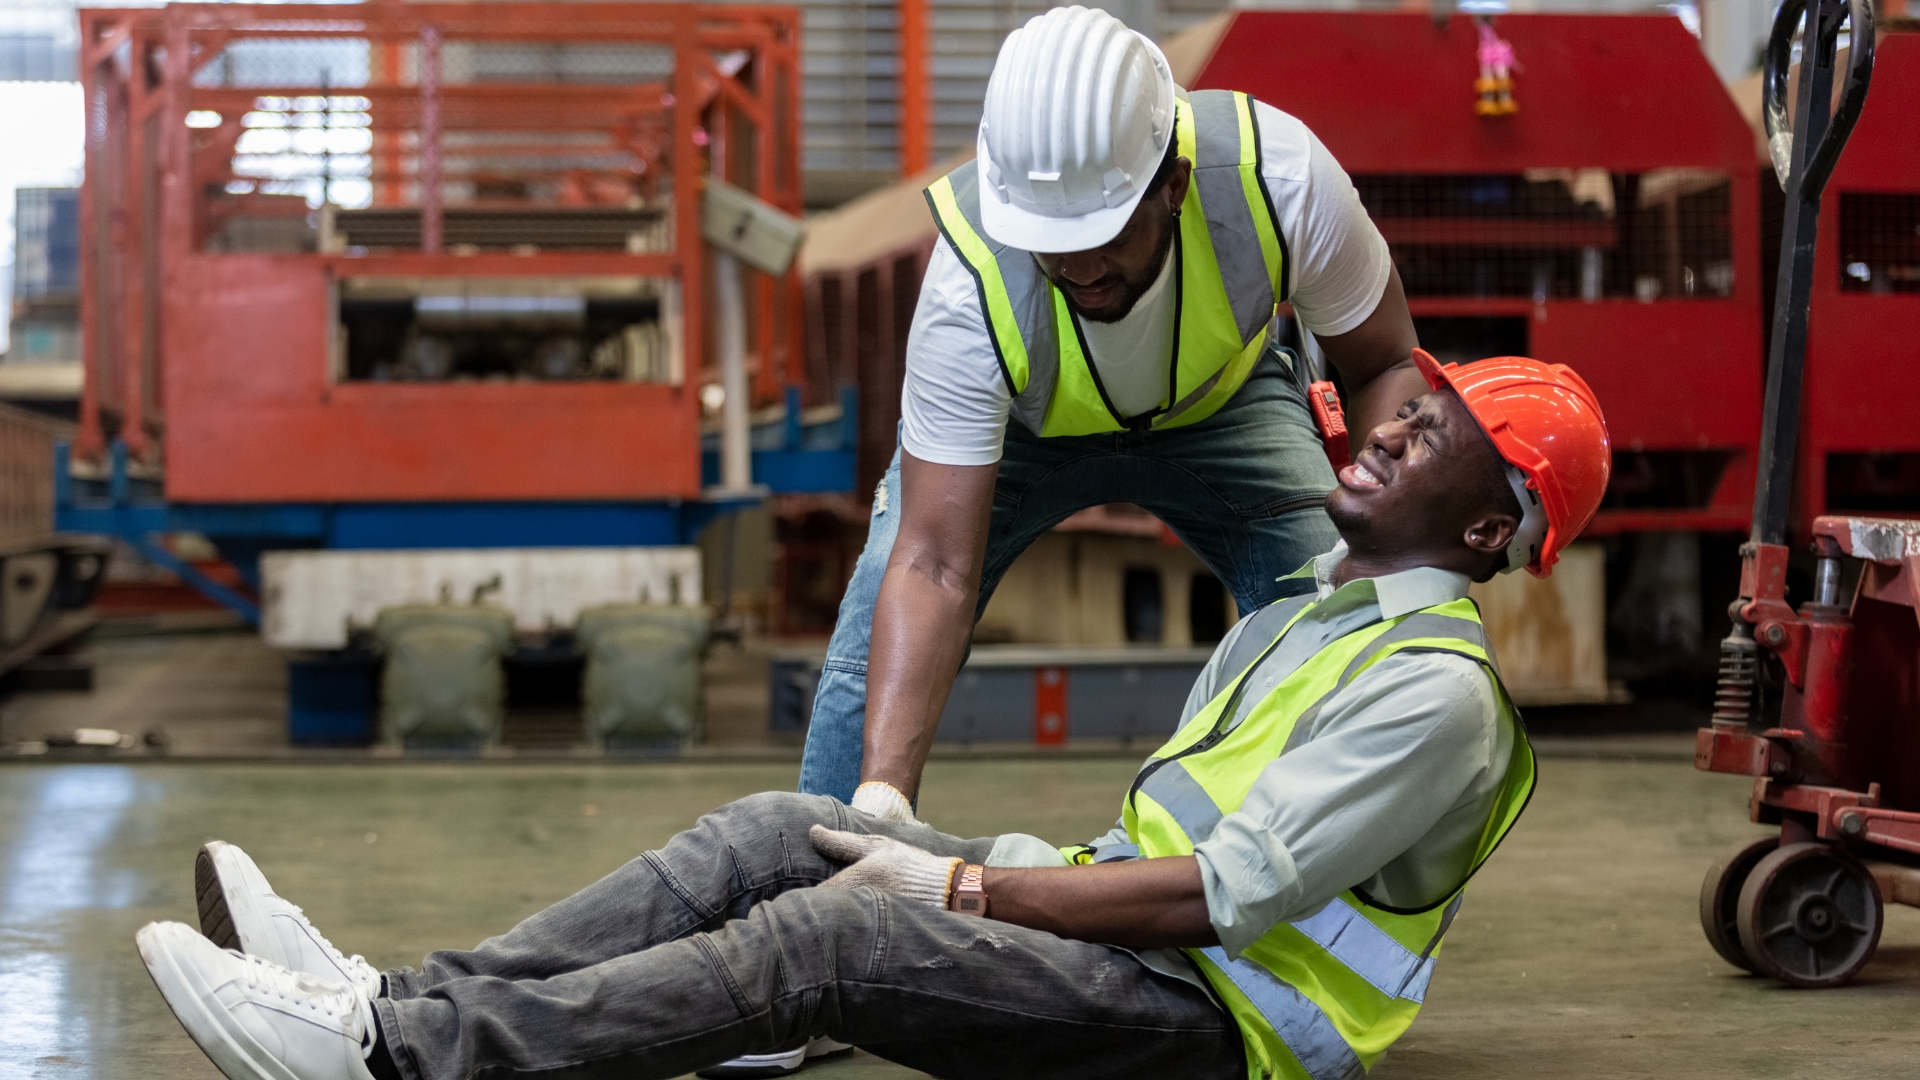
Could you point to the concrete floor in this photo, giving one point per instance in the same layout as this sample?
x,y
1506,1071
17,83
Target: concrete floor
x,y
1577,955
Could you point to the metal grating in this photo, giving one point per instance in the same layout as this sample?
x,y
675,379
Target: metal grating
x,y
340,63
585,229
563,62
1879,242
1556,234
852,86
853,74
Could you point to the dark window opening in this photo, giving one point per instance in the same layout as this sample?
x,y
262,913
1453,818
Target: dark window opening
x,y
1206,609
537,338
1873,483
1557,234
1665,479
1879,242
1464,339
1143,605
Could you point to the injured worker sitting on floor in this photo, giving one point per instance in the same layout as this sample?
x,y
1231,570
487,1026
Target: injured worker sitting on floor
x,y
1270,904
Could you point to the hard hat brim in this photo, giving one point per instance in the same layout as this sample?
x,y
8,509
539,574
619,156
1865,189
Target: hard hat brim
x,y
1043,233
1430,369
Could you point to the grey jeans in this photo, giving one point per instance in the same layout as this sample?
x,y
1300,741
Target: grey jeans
x,y
716,945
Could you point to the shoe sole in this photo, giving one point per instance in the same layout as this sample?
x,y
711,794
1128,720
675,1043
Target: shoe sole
x,y
823,1048
184,995
220,899
758,1065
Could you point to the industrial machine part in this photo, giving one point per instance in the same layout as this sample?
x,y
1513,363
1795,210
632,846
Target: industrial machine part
x,y
641,687
1835,767
269,157
1720,897
432,275
1042,694
1809,914
750,229
47,580
317,599
443,686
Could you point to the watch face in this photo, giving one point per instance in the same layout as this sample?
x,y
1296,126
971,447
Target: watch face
x,y
970,904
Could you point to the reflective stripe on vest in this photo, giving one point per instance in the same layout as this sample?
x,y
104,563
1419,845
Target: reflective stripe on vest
x,y
1310,1037
1231,270
1326,994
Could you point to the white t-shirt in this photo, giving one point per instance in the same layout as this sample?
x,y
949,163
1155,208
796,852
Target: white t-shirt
x,y
954,401
1132,354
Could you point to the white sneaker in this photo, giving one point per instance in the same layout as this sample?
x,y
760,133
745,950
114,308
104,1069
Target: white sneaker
x,y
255,1019
239,910
779,1064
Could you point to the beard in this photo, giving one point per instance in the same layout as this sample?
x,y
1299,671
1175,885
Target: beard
x,y
1351,521
1134,287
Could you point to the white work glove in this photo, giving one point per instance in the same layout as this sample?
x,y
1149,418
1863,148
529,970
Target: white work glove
x,y
884,801
886,864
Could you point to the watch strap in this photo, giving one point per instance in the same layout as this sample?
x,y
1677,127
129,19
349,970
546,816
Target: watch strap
x,y
969,892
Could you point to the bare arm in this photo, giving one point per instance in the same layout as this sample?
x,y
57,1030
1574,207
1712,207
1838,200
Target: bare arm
x,y
1375,361
1137,904
923,617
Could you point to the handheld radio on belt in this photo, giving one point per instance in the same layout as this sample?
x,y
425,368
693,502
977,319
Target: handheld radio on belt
x,y
1324,402
1331,420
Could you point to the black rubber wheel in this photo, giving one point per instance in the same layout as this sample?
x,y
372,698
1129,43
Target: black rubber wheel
x,y
1809,915
1720,897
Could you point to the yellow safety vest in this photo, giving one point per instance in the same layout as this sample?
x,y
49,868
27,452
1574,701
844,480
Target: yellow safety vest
x,y
1324,996
1231,272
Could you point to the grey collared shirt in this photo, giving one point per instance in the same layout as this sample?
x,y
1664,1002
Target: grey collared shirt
x,y
1389,790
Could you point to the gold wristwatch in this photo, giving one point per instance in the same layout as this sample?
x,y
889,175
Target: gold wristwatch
x,y
969,897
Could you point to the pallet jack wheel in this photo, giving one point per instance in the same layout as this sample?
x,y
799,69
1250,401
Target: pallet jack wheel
x,y
1720,897
1809,915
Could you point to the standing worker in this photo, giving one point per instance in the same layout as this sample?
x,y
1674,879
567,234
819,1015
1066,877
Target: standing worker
x,y
1108,268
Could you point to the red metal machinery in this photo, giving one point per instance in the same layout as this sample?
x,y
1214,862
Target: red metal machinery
x,y
1819,705
442,253
1603,225
1608,224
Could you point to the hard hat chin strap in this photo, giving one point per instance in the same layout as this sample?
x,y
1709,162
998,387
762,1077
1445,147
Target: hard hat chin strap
x,y
1532,531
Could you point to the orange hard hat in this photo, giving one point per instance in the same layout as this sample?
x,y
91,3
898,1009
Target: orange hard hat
x,y
1546,423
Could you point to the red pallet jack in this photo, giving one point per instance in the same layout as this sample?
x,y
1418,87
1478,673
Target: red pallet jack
x,y
1839,769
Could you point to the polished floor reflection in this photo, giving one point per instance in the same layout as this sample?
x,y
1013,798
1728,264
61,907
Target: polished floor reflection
x,y
1577,953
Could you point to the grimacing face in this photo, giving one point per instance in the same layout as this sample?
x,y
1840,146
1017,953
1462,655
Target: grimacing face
x,y
1103,284
1419,485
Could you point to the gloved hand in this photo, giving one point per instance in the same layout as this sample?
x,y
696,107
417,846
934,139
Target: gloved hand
x,y
882,800
886,864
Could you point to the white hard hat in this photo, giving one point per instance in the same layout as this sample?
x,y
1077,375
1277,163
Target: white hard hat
x,y
1078,115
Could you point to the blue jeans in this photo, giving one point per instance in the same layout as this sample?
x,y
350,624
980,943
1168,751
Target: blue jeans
x,y
1245,489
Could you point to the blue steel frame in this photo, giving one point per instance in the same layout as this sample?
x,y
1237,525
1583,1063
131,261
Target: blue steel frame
x,y
789,457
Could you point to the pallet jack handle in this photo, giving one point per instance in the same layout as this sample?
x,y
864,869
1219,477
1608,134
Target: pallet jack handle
x,y
1804,147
